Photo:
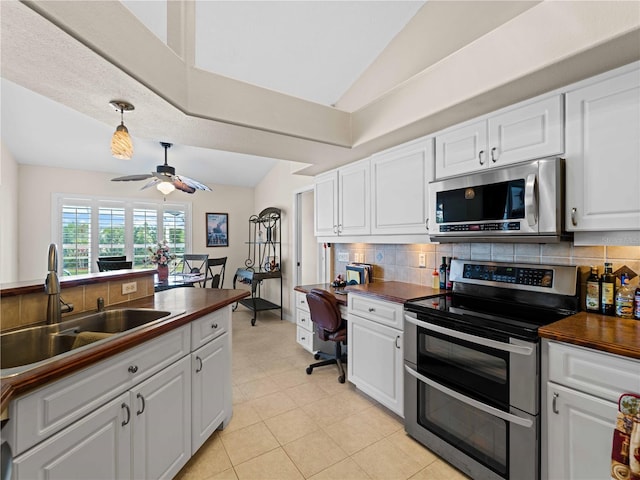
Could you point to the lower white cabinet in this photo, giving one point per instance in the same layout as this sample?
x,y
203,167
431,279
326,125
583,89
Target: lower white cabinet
x,y
375,363
579,415
143,433
211,397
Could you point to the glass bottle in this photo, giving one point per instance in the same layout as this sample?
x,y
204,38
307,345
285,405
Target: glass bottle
x,y
448,282
592,297
435,279
624,299
636,304
607,290
443,274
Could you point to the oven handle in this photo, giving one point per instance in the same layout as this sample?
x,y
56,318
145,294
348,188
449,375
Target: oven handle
x,y
487,342
523,422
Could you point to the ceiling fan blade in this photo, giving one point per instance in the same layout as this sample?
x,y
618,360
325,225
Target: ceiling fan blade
x,y
152,183
180,185
134,178
193,183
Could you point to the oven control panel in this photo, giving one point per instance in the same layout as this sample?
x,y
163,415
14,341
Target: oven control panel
x,y
538,277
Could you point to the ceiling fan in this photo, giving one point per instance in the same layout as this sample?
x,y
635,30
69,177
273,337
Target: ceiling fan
x,y
165,178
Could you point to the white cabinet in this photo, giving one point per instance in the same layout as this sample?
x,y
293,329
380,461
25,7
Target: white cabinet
x,y
528,131
582,389
211,390
375,350
98,446
603,153
342,201
399,184
305,331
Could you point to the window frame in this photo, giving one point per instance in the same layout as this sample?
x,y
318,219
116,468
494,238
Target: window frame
x,y
129,204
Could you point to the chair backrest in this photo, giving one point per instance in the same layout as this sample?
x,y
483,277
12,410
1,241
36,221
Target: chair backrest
x,y
196,263
324,310
117,258
107,266
215,271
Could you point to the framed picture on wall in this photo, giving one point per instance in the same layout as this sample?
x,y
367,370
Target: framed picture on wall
x,y
217,230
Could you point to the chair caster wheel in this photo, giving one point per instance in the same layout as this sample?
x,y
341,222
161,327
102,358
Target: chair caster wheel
x,y
309,370
341,378
316,356
253,322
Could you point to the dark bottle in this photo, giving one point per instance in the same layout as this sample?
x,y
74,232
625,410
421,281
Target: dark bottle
x,y
448,283
592,297
636,304
443,274
607,290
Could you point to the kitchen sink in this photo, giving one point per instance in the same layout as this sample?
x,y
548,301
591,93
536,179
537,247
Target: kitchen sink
x,y
30,347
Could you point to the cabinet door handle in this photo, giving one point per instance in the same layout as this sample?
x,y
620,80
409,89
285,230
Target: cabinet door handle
x,y
335,229
371,309
214,326
397,338
339,228
199,368
133,368
494,158
574,216
126,407
426,224
141,398
480,154
554,404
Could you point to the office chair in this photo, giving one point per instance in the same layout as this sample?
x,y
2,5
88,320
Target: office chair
x,y
195,263
216,265
108,266
329,326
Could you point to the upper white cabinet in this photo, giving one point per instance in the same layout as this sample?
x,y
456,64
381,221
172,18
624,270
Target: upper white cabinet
x,y
529,131
342,201
603,153
399,184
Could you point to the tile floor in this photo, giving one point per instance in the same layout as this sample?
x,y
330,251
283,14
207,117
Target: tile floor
x,y
290,425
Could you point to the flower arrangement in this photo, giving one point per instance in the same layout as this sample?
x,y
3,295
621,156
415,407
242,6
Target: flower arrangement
x,y
161,254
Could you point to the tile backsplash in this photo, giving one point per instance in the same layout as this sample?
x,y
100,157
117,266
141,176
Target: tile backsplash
x,y
400,262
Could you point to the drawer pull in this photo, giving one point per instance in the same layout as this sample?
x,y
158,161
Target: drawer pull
x,y
133,368
199,367
214,326
139,396
303,338
555,403
126,407
397,338
371,309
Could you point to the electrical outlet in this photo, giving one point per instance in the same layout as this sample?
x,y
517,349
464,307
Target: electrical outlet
x,y
131,287
343,256
422,263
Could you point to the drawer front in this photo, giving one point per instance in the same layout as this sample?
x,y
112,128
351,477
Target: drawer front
x,y
303,319
49,409
305,338
210,326
386,313
301,301
597,373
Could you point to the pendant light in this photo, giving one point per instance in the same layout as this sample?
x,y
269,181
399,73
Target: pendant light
x,y
166,187
121,145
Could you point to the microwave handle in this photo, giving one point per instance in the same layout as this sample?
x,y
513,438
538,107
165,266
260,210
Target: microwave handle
x,y
485,342
524,422
531,200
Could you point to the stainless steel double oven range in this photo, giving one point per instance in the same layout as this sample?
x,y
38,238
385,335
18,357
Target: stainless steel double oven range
x,y
472,365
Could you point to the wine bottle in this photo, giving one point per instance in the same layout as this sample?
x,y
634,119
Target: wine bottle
x,y
448,282
592,298
607,290
443,274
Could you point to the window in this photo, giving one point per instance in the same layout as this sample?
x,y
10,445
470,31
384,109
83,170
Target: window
x,y
89,228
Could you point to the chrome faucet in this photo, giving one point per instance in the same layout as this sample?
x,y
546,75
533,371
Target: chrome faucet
x,y
52,288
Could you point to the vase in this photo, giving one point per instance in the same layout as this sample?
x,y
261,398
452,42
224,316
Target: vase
x,y
163,273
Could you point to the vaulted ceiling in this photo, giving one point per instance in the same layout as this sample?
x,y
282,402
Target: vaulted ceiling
x,y
236,85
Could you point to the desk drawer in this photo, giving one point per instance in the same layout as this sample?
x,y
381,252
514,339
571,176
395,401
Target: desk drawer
x,y
305,338
212,325
303,319
301,301
380,311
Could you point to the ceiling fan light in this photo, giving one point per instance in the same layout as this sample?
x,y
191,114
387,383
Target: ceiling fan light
x,y
166,187
121,145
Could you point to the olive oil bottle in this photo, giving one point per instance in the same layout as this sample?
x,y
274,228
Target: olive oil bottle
x,y
607,290
592,297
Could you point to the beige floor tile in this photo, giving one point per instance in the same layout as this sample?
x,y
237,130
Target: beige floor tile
x,y
385,461
352,434
247,374
258,388
439,470
412,448
291,378
314,453
272,405
226,475
347,469
274,465
243,415
325,409
238,396
248,442
210,460
291,425
306,393
383,422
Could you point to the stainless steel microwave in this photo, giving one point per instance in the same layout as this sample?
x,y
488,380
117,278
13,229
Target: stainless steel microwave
x,y
515,203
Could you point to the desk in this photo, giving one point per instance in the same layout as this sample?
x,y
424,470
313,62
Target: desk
x,y
177,280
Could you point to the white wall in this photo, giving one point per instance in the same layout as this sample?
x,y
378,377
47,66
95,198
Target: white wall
x,y
37,184
8,216
276,190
